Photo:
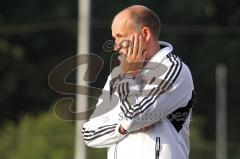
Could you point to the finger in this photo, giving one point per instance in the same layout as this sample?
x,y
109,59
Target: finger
x,y
130,46
140,51
135,46
145,129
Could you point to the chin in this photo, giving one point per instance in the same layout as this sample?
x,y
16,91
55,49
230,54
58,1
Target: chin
x,y
123,53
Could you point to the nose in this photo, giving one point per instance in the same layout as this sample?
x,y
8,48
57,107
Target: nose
x,y
117,46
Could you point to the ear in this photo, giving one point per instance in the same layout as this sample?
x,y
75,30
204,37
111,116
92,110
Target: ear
x,y
146,33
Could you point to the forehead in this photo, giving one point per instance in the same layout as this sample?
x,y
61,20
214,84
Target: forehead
x,y
121,23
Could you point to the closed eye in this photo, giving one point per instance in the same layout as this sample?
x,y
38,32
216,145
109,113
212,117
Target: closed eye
x,y
118,35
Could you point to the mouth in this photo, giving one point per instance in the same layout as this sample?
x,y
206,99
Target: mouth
x,y
122,51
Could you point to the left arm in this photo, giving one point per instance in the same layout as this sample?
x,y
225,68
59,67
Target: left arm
x,y
162,98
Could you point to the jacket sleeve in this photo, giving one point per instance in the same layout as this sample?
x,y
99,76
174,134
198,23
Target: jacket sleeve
x,y
101,130
99,133
162,94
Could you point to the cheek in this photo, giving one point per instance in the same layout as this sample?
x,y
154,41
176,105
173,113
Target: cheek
x,y
125,44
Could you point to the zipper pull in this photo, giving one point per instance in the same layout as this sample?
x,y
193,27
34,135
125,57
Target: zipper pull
x,y
157,148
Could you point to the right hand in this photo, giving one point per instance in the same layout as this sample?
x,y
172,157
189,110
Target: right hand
x,y
133,62
145,129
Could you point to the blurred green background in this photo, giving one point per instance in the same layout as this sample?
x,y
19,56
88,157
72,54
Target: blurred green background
x,y
37,35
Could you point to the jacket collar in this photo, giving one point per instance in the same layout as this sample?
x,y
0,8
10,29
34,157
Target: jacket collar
x,y
159,56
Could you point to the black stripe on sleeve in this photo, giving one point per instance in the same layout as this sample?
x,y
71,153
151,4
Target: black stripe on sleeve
x,y
165,84
149,96
160,91
100,131
100,135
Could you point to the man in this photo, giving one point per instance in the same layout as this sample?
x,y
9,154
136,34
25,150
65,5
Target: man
x,y
154,91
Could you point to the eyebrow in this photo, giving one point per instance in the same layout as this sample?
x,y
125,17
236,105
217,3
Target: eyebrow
x,y
119,35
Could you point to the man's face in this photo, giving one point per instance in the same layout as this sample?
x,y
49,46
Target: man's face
x,y
122,30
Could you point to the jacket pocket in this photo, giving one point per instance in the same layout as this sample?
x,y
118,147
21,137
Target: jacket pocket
x,y
157,148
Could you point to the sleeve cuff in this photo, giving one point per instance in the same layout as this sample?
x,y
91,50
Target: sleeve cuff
x,y
120,135
125,123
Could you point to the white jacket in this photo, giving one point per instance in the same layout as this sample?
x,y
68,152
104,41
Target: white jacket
x,y
161,96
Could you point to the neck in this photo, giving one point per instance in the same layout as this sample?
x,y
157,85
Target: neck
x,y
154,47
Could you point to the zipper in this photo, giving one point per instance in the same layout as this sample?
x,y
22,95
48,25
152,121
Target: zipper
x,y
115,152
157,148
